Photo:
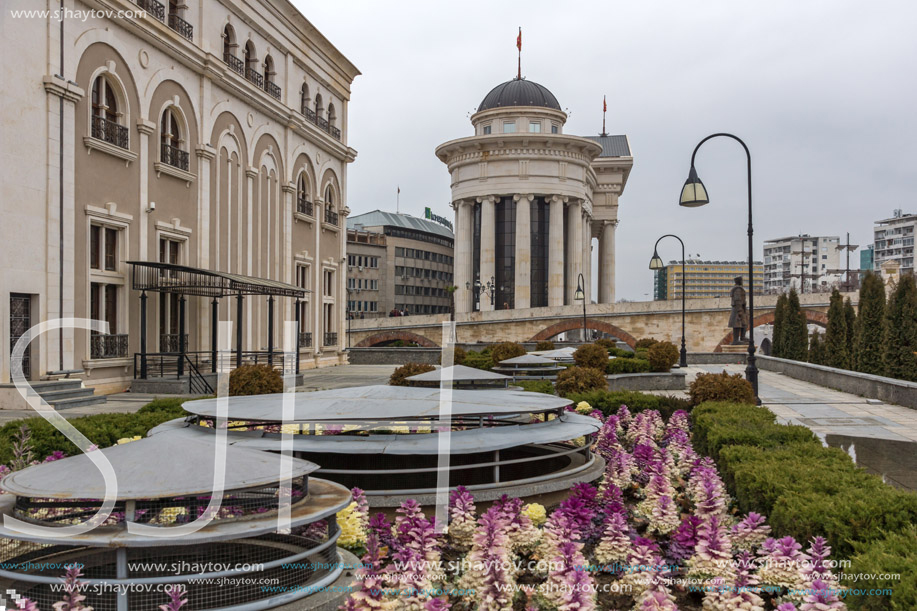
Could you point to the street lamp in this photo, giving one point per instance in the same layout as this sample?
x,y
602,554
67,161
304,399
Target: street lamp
x,y
657,264
581,294
487,289
694,194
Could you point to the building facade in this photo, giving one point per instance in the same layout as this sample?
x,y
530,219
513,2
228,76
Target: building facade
x,y
211,135
529,200
806,263
867,260
703,279
411,265
894,241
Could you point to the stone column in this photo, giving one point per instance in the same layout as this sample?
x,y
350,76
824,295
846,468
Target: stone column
x,y
523,268
587,256
607,262
488,244
574,258
556,251
205,156
463,255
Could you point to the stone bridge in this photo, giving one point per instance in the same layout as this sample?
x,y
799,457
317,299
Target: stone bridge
x,y
705,322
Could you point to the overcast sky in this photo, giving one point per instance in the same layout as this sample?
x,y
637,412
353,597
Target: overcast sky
x,y
823,92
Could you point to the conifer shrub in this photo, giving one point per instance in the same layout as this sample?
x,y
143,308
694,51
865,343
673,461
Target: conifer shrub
x,y
870,327
779,340
542,386
897,555
610,401
478,360
645,342
544,345
625,365
721,387
816,349
458,356
506,350
901,331
796,333
254,380
662,356
724,424
607,344
591,355
400,375
580,379
835,351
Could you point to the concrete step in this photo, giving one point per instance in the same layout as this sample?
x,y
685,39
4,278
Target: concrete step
x,y
59,395
61,404
735,349
52,385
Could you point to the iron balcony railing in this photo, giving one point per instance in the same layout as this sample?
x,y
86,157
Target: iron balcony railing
x,y
181,26
336,132
273,89
309,114
305,339
321,122
169,343
304,206
331,217
175,157
234,63
109,131
102,346
331,339
255,77
154,8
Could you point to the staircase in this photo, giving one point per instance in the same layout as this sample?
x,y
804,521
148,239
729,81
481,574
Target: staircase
x,y
65,394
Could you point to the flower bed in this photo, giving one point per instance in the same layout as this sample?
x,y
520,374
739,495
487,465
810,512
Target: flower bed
x,y
657,533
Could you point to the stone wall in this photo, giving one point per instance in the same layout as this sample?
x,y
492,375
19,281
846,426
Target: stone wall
x,y
672,380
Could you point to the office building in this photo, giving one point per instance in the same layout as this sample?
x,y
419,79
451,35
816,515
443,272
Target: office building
x,y
806,263
703,279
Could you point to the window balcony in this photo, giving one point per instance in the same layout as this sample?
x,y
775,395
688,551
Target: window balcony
x,y
304,206
331,217
235,64
169,343
305,339
102,346
321,122
154,8
272,89
174,157
109,131
181,26
331,339
254,77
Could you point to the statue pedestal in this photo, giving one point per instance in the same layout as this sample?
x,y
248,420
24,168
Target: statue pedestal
x,y
735,348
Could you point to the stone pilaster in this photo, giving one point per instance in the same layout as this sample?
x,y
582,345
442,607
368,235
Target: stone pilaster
x,y
587,256
574,258
556,251
523,269
205,155
463,255
607,262
488,245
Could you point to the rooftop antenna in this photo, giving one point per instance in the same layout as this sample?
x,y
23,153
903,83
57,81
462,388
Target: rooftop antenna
x,y
398,201
519,47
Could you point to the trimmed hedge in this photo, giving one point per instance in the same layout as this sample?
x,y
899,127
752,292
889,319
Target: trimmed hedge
x,y
544,345
400,375
101,429
806,489
478,360
609,401
542,386
254,380
662,356
721,387
625,365
592,356
506,350
579,379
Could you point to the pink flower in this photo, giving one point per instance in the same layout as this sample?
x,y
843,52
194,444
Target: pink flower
x,y
176,598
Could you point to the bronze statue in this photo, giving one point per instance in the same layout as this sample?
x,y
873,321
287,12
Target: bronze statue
x,y
738,318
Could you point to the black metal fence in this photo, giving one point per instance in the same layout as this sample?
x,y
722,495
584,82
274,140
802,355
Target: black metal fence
x,y
181,26
110,132
174,156
112,346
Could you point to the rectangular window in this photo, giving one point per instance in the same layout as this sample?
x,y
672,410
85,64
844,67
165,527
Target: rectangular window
x,y
553,129
535,127
95,247
486,129
509,127
329,283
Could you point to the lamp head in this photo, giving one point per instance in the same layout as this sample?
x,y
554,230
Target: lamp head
x,y
656,261
693,194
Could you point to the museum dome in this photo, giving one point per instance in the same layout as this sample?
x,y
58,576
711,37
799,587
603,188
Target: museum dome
x,y
519,92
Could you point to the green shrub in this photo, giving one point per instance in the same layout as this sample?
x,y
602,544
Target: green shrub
x,y
542,386
610,401
101,429
544,345
254,380
607,344
717,425
721,387
619,365
896,554
645,342
400,375
506,350
580,379
662,356
478,360
591,355
641,353
621,353
458,356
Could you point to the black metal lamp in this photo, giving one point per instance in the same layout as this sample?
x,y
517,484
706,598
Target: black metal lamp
x,y
656,263
694,193
581,294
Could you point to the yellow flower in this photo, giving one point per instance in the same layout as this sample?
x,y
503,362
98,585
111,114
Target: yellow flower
x,y
536,513
124,440
352,533
583,408
292,429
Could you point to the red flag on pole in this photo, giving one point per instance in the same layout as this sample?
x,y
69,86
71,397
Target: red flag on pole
x,y
604,105
519,40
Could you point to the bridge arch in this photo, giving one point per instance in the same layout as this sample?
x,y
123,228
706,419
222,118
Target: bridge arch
x,y
391,336
812,316
573,324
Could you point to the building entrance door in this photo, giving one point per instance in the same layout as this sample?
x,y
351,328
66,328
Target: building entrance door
x,y
20,322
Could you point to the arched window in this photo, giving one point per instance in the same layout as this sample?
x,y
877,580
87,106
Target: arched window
x,y
332,116
304,99
319,108
171,141
269,85
251,64
106,116
303,202
331,216
229,41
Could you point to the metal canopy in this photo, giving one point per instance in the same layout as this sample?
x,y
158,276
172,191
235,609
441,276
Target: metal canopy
x,y
379,403
164,466
562,354
528,359
183,280
459,373
569,426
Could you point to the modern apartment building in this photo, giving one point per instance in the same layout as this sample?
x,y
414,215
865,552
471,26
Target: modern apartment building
x,y
894,241
806,263
703,279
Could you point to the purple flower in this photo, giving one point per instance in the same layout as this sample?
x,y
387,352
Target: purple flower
x,y
821,596
177,598
380,525
684,539
55,455
73,597
750,532
819,550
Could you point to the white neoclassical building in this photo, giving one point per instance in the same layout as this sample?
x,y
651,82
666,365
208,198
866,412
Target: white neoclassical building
x,y
528,200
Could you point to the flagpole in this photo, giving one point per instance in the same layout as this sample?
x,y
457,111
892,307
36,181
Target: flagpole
x,y
398,201
604,110
519,47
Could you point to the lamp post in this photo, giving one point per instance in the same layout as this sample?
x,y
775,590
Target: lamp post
x,y
694,194
487,289
657,264
581,294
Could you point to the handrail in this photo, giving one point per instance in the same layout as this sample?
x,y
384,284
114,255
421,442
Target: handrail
x,y
197,383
